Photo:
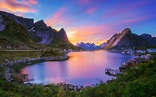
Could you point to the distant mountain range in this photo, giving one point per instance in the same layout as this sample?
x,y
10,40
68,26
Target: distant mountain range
x,y
128,39
23,33
88,46
125,39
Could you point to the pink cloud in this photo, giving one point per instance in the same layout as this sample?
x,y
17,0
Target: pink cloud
x,y
91,33
91,10
100,33
131,21
33,1
60,19
56,19
16,6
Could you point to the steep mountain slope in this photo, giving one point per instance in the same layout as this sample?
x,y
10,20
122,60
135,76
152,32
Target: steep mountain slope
x,y
151,40
62,35
26,22
128,39
43,34
13,35
19,32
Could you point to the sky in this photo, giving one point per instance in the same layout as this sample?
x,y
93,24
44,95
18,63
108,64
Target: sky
x,y
89,20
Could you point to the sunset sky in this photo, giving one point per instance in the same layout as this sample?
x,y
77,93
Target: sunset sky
x,y
89,20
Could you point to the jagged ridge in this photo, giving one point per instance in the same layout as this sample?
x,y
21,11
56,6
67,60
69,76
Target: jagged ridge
x,y
128,39
15,30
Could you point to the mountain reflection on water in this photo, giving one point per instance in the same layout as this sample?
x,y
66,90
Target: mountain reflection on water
x,y
82,68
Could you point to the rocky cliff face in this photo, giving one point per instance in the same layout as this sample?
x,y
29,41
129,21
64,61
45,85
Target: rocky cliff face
x,y
2,23
15,30
151,40
13,35
26,22
127,39
40,24
40,30
62,35
46,34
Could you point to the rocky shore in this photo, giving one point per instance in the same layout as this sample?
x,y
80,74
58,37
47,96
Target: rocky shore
x,y
10,74
127,65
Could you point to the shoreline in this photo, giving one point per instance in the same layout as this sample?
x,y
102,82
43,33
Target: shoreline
x,y
10,68
30,61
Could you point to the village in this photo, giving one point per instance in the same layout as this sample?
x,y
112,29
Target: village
x,y
142,57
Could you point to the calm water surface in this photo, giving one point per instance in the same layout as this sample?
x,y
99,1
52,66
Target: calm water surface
x,y
82,68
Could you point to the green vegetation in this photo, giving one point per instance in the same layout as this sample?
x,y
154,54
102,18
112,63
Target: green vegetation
x,y
139,81
16,55
52,53
6,56
15,36
59,43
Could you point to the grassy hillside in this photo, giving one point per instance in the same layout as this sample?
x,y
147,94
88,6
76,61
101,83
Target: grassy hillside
x,y
16,55
15,36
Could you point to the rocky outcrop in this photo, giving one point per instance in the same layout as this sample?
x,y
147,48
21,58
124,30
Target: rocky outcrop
x,y
40,24
26,22
2,23
128,39
151,40
42,34
146,36
13,35
46,34
24,30
62,35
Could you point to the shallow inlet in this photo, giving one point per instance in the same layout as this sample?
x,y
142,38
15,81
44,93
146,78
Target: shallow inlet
x,y
82,68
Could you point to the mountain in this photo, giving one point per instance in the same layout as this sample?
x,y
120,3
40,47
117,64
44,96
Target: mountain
x,y
17,31
43,34
13,35
62,35
26,22
151,40
102,45
128,39
46,35
87,46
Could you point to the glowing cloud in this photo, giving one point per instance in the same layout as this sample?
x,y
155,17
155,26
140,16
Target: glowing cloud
x,y
16,6
88,20
56,18
96,33
60,19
